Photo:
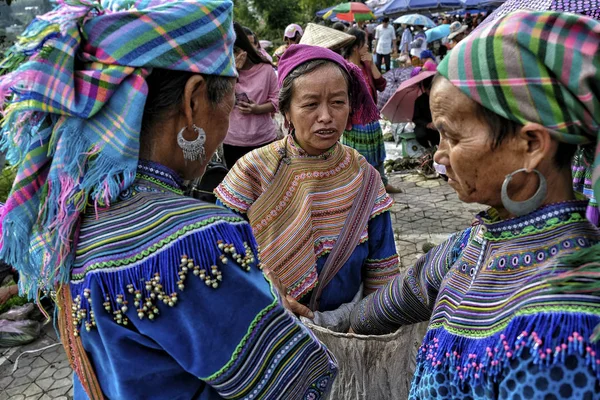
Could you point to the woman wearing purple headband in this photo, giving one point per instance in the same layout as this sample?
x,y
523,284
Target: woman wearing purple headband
x,y
318,209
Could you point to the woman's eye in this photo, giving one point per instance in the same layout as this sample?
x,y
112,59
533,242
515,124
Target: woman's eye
x,y
310,105
339,102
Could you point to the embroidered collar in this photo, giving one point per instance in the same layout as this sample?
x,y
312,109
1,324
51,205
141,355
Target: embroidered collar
x,y
160,175
542,219
293,149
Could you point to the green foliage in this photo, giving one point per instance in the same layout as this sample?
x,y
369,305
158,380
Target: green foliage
x,y
6,180
268,18
14,301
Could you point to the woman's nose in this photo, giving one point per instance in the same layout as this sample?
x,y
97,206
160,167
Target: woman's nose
x,y
324,115
441,155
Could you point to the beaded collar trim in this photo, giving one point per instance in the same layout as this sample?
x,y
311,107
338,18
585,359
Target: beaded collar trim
x,y
161,175
543,218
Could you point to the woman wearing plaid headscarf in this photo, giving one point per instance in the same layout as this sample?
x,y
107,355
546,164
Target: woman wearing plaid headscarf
x,y
512,301
107,107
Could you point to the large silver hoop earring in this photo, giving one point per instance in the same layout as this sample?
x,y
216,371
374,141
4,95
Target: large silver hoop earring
x,y
520,208
193,150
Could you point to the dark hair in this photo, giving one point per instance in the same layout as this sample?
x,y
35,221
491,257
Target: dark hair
x,y
287,87
503,128
249,32
338,26
165,93
360,38
242,42
386,20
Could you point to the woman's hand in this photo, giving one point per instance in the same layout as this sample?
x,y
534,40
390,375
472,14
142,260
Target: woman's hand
x,y
240,59
286,300
249,107
366,57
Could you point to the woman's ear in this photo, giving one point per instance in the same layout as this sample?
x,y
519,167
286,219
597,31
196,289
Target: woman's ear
x,y
537,143
349,123
194,98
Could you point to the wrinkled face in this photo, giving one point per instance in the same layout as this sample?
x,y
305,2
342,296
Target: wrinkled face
x,y
475,170
319,109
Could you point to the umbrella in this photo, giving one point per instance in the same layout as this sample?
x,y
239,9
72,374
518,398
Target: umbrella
x,y
401,107
265,44
394,79
350,12
415,19
591,8
437,33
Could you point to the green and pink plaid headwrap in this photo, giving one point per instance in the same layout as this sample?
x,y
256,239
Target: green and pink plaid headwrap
x,y
72,95
541,67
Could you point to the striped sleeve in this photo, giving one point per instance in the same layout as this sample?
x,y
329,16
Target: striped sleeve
x,y
408,298
381,264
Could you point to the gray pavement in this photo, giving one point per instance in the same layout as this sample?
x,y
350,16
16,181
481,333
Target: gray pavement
x,y
427,211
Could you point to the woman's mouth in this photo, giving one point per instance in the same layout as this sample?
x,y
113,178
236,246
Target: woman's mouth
x,y
326,133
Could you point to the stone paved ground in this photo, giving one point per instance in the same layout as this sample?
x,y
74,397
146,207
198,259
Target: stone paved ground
x,y
428,210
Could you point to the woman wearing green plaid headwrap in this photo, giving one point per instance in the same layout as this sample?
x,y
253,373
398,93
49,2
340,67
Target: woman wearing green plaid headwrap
x,y
511,103
108,106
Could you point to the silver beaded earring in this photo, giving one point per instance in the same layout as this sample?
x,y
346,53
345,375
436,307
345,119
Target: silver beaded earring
x,y
193,150
520,208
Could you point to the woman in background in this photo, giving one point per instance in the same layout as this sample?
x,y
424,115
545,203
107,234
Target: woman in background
x,y
251,124
367,139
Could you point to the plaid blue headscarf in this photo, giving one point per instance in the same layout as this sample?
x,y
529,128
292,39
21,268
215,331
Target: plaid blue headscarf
x,y
73,94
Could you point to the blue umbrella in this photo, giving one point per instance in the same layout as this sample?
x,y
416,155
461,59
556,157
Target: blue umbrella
x,y
415,19
324,11
398,6
437,33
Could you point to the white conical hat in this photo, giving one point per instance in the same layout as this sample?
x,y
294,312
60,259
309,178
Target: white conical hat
x,y
322,36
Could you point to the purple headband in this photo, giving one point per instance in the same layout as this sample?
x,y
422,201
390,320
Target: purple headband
x,y
363,108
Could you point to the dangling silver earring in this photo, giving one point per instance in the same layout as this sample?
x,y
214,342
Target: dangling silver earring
x,y
193,150
520,208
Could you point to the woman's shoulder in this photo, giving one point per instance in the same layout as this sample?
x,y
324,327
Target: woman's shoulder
x,y
146,224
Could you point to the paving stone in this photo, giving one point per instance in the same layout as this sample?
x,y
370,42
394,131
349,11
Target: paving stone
x,y
62,373
33,390
59,391
62,382
15,390
22,370
35,372
45,383
17,397
39,362
22,380
34,397
5,381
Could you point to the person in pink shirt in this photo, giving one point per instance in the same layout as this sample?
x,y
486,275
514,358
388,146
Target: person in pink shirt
x,y
250,123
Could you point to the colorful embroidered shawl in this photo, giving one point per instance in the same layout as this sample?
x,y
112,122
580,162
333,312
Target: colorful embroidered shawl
x,y
297,217
72,102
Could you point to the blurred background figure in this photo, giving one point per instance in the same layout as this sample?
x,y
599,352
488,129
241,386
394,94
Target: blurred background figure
x,y
250,123
385,37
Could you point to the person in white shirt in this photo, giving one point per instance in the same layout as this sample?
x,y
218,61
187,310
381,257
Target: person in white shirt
x,y
406,40
385,37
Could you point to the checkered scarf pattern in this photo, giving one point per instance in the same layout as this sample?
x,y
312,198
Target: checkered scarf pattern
x,y
541,67
72,94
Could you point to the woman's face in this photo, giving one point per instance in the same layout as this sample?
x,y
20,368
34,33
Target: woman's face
x,y
475,170
319,109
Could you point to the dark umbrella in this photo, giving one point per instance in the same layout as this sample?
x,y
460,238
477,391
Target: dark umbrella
x,y
591,8
394,79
